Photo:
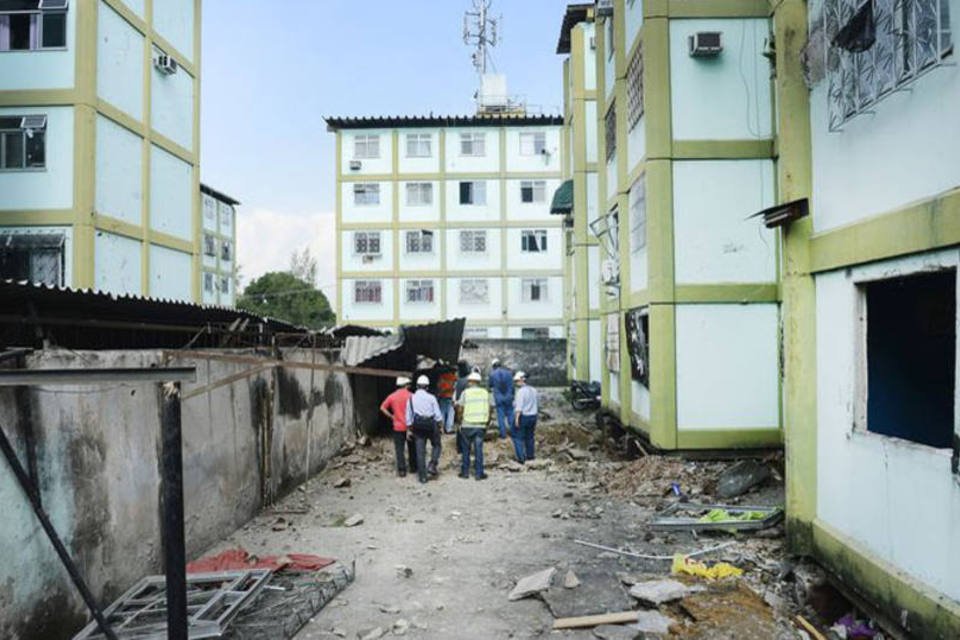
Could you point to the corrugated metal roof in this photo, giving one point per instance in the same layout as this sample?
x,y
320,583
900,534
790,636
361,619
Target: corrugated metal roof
x,y
335,123
400,351
360,349
437,340
576,13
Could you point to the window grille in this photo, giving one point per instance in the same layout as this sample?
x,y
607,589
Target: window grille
x,y
367,291
474,291
610,132
638,216
635,88
419,242
366,242
911,38
419,290
473,241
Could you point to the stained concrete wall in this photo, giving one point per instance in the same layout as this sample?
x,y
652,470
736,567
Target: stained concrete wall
x,y
98,459
544,361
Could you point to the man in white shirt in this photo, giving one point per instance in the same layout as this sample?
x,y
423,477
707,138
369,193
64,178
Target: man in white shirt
x,y
423,420
526,407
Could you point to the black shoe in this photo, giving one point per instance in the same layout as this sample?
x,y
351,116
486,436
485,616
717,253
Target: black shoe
x,y
482,476
463,475
402,473
423,480
432,471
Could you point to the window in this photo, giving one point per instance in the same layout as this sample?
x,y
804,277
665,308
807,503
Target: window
x,y
911,37
638,328
226,251
35,257
25,26
533,143
366,147
610,132
23,142
208,282
420,291
420,241
209,245
209,211
610,39
419,193
533,240
535,333
473,193
226,216
474,291
638,216
418,145
635,88
475,333
367,291
533,191
473,144
534,289
366,243
908,331
473,241
225,285
366,194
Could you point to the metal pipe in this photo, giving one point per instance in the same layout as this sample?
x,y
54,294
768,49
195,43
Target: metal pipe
x,y
172,490
32,495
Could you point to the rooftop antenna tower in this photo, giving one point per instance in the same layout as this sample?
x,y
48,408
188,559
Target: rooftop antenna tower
x,y
482,32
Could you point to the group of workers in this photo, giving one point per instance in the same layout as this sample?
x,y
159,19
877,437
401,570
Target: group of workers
x,y
461,401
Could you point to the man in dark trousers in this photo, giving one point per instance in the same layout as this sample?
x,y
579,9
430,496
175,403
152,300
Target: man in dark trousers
x,y
501,383
395,408
424,419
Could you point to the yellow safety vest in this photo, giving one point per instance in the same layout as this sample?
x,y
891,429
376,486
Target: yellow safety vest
x,y
476,407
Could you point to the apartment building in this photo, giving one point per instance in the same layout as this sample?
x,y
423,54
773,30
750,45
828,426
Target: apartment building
x,y
870,298
99,177
690,297
443,217
577,197
219,271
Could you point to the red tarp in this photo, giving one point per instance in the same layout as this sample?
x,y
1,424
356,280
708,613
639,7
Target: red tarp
x,y
238,559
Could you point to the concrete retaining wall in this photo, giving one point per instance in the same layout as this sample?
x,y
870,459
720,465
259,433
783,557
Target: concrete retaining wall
x,y
244,444
544,361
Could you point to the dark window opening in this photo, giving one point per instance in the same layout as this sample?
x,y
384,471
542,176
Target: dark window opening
x,y
54,30
911,357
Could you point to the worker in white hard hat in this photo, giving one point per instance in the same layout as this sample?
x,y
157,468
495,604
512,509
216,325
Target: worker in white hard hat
x,y
501,384
525,418
394,407
475,401
424,420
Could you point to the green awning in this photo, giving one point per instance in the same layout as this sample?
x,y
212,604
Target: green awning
x,y
563,199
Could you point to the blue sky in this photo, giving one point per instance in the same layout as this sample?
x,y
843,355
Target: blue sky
x,y
272,70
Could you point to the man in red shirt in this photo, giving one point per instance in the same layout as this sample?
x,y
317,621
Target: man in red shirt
x,y
445,387
395,408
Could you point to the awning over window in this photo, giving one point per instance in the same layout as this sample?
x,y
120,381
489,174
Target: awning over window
x,y
563,199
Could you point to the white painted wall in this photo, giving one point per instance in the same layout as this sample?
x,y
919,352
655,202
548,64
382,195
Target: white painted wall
x,y
552,258
354,262
472,261
118,190
420,212
640,399
430,164
903,502
49,188
905,150
174,20
715,241
170,274
120,50
593,276
381,165
171,105
614,385
550,161
547,309
351,212
420,261
727,366
589,57
117,264
137,6
472,212
593,189
519,210
611,168
351,311
636,144
171,194
639,267
596,348
492,309
590,126
420,311
708,98
634,20
489,162
50,69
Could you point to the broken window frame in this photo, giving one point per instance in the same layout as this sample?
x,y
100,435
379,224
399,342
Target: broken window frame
x,y
47,256
367,292
533,240
474,291
15,127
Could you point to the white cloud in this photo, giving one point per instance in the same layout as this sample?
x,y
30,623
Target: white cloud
x,y
266,240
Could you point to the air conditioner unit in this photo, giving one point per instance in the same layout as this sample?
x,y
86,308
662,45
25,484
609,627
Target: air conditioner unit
x,y
355,165
705,44
368,258
165,64
609,272
604,7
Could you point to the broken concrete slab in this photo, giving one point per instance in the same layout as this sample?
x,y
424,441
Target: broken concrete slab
x,y
598,592
652,622
570,580
615,632
533,584
657,592
741,477
539,463
353,520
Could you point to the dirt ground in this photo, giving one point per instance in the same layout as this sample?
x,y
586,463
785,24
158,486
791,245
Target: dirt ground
x,y
439,560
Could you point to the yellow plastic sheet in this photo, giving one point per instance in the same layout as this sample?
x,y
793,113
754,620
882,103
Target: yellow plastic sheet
x,y
684,564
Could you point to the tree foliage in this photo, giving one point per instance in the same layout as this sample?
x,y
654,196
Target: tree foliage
x,y
284,296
